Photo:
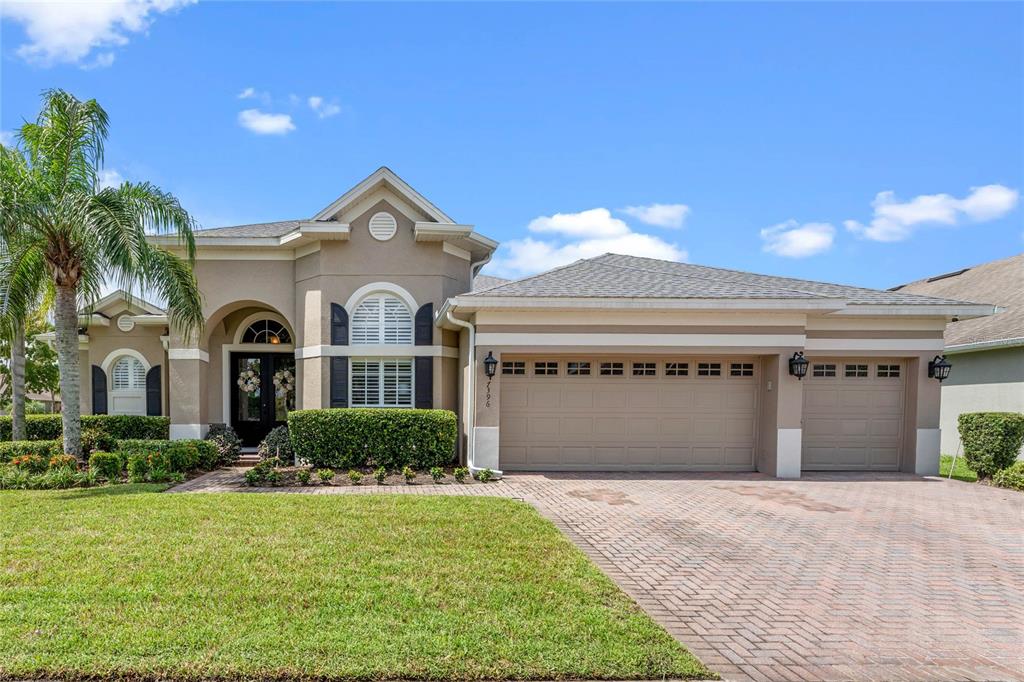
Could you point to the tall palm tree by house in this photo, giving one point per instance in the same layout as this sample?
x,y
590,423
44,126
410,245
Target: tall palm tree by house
x,y
82,235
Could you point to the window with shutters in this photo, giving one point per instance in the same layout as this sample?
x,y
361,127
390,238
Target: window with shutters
x,y
128,375
381,319
381,382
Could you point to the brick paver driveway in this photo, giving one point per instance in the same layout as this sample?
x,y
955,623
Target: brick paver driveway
x,y
829,577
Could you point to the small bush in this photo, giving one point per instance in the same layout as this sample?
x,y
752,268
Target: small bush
x,y
325,475
991,440
97,439
119,426
303,476
14,478
253,476
264,472
229,445
393,438
484,475
437,473
108,465
355,476
380,474
1011,477
43,448
184,455
63,462
276,444
138,467
460,474
409,474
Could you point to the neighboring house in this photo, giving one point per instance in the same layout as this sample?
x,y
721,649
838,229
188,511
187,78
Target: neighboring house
x,y
611,363
987,353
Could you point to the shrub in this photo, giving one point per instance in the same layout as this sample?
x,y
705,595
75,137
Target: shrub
x,y
14,478
355,476
34,464
1011,477
253,476
409,474
43,448
325,475
484,475
97,439
138,467
991,440
108,465
380,474
229,445
120,426
63,462
437,473
276,444
182,455
264,472
460,474
393,438
303,476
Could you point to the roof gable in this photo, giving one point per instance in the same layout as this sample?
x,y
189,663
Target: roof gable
x,y
120,301
387,179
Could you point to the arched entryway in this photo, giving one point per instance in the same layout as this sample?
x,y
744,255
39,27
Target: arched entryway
x,y
261,376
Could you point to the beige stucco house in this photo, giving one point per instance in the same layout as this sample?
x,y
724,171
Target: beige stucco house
x,y
610,363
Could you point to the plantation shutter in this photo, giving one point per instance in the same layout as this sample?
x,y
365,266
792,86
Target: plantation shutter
x,y
339,382
339,325
366,322
425,383
425,325
99,390
397,322
153,392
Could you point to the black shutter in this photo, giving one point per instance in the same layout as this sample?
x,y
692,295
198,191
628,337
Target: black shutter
x,y
339,382
153,392
339,325
99,390
425,383
425,325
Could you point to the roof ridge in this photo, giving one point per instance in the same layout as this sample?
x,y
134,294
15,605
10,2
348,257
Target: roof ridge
x,y
268,222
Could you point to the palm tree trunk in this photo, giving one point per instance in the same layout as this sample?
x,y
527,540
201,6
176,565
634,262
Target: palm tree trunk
x,y
18,381
66,327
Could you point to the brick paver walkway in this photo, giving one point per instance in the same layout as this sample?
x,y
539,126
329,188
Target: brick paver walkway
x,y
851,577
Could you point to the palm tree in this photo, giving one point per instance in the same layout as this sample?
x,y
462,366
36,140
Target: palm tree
x,y
82,235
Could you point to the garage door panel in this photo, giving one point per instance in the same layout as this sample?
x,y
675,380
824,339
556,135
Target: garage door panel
x,y
627,421
853,423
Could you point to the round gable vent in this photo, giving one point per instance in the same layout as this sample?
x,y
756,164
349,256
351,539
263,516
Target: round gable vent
x,y
125,323
383,226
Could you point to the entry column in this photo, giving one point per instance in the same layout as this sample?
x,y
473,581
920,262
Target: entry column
x,y
781,418
488,412
187,368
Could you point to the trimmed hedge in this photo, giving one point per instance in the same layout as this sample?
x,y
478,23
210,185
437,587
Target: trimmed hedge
x,y
991,440
181,455
1011,477
120,426
43,448
347,438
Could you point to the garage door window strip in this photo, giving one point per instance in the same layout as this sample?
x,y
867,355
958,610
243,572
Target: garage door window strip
x,y
677,369
611,369
856,371
709,369
578,369
888,371
514,368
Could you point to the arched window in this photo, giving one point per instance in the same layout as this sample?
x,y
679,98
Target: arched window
x,y
128,374
266,331
381,319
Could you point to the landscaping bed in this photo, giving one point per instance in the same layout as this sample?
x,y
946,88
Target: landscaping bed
x,y
121,582
364,478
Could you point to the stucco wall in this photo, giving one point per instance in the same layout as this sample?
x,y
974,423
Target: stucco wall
x,y
983,381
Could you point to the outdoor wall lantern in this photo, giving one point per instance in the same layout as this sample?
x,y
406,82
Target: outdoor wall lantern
x,y
798,365
490,365
939,368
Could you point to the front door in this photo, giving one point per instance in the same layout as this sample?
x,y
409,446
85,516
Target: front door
x,y
262,393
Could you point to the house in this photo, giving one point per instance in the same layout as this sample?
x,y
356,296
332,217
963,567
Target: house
x,y
610,363
987,353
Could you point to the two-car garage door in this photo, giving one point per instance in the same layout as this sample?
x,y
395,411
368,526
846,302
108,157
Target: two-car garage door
x,y
643,413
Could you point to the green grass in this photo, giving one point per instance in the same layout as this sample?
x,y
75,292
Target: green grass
x,y
961,473
123,582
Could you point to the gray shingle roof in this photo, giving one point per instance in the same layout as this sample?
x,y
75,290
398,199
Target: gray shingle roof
x,y
275,229
999,282
618,276
481,282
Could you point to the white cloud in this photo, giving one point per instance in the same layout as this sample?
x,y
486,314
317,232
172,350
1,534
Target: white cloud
x,y
68,32
109,177
894,221
793,240
574,236
596,222
659,215
263,123
7,138
323,109
248,93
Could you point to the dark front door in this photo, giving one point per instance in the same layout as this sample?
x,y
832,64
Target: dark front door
x,y
262,393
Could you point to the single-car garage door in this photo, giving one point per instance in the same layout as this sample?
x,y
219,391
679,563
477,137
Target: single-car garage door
x,y
635,413
853,414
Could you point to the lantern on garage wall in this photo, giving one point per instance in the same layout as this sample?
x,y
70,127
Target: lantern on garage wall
x,y
939,368
490,365
798,365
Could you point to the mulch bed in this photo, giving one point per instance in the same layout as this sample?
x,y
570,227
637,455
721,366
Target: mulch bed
x,y
341,478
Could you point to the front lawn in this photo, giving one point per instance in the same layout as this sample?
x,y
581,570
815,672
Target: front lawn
x,y
123,581
961,473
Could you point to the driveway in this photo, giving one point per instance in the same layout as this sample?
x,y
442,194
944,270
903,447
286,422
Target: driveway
x,y
867,577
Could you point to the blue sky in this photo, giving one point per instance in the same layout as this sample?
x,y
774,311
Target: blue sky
x,y
869,144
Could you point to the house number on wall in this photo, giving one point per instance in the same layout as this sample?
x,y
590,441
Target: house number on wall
x,y
488,401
